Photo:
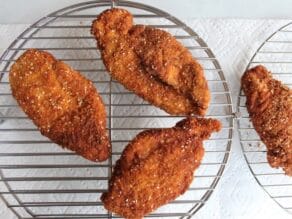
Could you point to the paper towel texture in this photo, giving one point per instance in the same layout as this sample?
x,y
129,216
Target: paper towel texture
x,y
233,42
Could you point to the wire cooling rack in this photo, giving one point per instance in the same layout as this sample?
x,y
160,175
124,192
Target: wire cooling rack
x,y
41,180
276,54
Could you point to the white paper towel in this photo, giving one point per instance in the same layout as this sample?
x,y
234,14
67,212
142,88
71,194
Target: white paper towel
x,y
233,42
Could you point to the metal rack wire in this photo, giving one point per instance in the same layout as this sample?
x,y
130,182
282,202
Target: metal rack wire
x,y
41,180
275,53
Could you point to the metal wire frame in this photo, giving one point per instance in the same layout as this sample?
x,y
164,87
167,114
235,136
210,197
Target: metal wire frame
x,y
221,100
273,181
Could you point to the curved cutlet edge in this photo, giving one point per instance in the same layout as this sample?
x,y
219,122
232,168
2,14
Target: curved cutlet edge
x,y
111,29
109,17
251,81
269,104
62,103
167,59
156,167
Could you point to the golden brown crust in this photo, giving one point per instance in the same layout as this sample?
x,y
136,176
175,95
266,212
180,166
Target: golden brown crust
x,y
63,104
164,57
151,63
269,104
157,166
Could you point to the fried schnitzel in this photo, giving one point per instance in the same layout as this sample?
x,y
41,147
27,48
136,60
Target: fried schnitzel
x,y
157,166
152,63
269,104
62,103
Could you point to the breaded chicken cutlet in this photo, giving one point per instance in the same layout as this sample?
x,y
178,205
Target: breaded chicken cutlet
x,y
157,166
269,104
151,63
62,103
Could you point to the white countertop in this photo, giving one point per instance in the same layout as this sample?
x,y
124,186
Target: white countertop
x,y
19,11
233,42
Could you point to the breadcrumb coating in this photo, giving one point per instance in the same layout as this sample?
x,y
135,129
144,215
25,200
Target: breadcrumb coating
x,y
62,103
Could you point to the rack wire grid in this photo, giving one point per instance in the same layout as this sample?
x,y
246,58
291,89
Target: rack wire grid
x,y
41,180
276,54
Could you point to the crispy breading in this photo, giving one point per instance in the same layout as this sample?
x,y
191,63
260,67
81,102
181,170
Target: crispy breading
x,y
269,104
62,103
152,63
157,166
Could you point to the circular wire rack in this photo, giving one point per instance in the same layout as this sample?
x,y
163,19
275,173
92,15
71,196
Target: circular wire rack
x,y
41,180
276,54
